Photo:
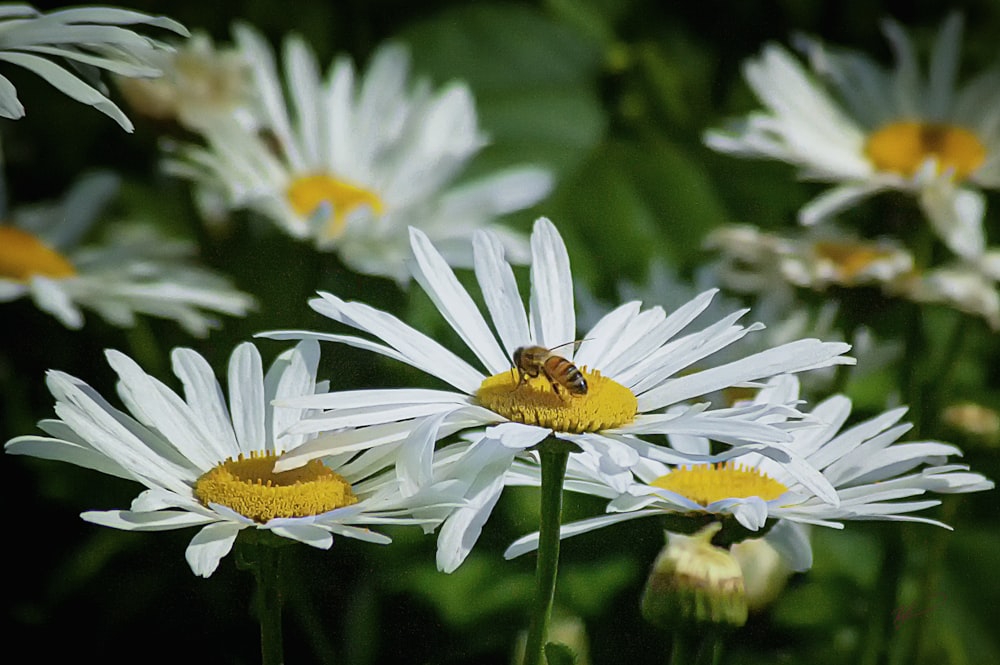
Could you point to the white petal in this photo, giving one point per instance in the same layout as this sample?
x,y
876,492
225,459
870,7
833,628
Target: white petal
x,y
454,303
204,396
162,520
209,546
417,348
957,217
836,200
792,357
500,292
246,398
791,541
529,543
65,451
553,318
310,534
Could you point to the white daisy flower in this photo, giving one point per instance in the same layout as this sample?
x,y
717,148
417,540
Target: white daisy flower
x,y
210,465
864,463
353,163
134,271
870,129
602,397
91,39
200,83
753,259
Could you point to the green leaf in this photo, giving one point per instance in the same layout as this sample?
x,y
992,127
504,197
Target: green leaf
x,y
534,81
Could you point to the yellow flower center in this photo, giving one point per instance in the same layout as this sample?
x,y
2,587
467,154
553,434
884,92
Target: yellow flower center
x,y
23,255
250,486
850,258
606,404
902,147
308,193
708,483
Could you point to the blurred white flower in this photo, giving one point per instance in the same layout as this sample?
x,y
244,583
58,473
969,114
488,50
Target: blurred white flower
x,y
91,39
350,161
135,269
751,259
870,129
210,464
200,83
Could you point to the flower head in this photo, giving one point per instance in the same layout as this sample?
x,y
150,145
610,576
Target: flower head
x,y
870,129
200,83
603,396
135,270
91,39
350,161
208,464
874,476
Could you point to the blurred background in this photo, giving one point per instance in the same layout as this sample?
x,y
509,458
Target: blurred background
x,y
613,96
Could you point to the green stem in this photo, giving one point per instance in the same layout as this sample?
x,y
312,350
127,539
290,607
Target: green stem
x,y
554,456
881,628
265,567
682,651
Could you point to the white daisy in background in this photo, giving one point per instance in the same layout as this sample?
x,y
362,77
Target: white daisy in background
x,y
875,478
200,83
208,464
350,164
753,260
91,39
135,270
634,364
869,129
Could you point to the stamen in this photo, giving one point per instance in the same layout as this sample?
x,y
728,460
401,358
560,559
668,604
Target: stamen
x,y
705,484
250,486
902,147
307,193
607,404
23,255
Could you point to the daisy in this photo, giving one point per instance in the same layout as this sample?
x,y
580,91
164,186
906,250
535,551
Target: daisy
x,y
633,363
753,260
91,39
200,83
353,163
876,478
868,129
135,270
210,465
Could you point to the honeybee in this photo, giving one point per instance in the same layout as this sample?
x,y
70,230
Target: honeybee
x,y
532,361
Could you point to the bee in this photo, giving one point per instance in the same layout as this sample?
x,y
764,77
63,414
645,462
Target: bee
x,y
532,361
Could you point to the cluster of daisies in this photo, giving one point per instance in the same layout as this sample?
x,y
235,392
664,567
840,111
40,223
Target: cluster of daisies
x,y
844,119
289,455
371,169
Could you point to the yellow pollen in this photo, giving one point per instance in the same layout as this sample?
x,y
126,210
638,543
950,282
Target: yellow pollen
x,y
308,193
606,405
706,483
250,486
902,147
23,255
851,259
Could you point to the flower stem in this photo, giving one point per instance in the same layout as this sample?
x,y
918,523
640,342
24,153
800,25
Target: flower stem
x,y
265,567
554,456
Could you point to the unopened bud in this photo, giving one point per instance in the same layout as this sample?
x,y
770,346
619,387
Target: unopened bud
x,y
695,583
